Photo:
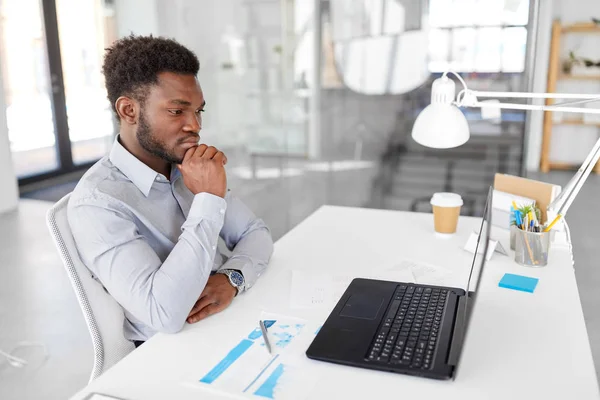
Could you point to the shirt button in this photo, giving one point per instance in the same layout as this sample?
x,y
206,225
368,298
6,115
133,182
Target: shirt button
x,y
222,211
214,247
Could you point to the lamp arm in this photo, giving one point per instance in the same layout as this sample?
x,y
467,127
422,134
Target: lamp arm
x,y
466,92
464,102
526,95
470,98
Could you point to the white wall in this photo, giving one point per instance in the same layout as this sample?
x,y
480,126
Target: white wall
x,y
569,143
136,16
9,194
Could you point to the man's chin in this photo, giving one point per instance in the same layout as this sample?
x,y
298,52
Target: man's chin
x,y
176,160
173,157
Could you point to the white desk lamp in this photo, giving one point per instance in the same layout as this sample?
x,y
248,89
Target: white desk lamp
x,y
441,125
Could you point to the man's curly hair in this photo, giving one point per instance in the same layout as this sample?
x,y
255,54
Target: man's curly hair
x,y
133,63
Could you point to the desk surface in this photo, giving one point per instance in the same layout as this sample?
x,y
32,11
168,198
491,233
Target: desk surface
x,y
519,345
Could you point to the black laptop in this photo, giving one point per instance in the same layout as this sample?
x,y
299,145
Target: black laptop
x,y
402,327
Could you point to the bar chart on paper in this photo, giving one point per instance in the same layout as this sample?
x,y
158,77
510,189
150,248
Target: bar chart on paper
x,y
249,369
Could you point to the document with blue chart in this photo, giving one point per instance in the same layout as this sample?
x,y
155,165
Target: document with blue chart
x,y
248,369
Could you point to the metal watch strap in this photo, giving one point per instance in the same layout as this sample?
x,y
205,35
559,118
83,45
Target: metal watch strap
x,y
228,272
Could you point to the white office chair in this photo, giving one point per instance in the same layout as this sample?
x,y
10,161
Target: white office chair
x,y
103,315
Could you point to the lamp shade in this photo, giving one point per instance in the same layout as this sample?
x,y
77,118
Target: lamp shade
x,y
441,126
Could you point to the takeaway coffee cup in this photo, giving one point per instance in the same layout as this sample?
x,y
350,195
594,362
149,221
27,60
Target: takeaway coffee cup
x,y
446,209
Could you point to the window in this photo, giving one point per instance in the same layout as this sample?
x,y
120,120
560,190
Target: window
x,y
478,35
51,53
372,18
372,41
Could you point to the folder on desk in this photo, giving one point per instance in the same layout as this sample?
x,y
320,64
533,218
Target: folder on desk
x,y
543,193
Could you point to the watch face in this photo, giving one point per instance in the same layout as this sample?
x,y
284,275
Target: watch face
x,y
237,278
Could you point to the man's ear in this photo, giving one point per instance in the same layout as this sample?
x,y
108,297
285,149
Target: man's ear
x,y
128,109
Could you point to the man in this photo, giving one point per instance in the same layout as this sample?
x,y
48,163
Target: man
x,y
146,218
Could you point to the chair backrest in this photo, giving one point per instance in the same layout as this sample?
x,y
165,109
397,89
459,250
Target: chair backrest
x,y
103,315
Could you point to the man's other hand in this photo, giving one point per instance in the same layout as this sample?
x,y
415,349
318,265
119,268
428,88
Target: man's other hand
x,y
216,296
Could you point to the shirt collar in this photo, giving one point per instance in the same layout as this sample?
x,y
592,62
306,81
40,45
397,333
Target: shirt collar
x,y
139,173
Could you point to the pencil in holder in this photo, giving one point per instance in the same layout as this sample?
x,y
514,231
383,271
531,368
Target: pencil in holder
x,y
532,248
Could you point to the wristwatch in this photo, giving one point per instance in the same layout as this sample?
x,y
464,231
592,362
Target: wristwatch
x,y
236,279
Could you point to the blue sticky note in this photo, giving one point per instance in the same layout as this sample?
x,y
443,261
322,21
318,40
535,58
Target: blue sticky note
x,y
518,282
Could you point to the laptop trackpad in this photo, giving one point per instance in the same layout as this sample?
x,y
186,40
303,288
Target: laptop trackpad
x,y
362,306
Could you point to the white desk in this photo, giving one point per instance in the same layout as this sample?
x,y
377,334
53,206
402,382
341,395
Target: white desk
x,y
520,345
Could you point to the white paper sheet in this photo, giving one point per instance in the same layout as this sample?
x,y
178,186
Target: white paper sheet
x,y
98,396
420,272
312,289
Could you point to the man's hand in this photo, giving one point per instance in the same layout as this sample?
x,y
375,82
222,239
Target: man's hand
x,y
203,170
215,297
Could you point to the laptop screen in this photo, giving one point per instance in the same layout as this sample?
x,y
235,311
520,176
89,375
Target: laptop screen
x,y
482,247
473,283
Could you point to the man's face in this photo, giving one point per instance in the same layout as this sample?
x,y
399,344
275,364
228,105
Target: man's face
x,y
170,119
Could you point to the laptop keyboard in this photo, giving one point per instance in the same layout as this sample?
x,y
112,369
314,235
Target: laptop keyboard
x,y
410,331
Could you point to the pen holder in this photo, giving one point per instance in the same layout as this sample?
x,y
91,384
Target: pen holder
x,y
513,236
531,248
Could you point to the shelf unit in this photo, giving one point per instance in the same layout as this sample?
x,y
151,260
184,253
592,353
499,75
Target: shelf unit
x,y
554,75
579,77
577,121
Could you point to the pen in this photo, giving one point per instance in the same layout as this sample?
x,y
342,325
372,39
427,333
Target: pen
x,y
263,328
558,217
535,218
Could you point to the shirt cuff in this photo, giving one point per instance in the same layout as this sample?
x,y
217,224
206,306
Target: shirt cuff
x,y
207,206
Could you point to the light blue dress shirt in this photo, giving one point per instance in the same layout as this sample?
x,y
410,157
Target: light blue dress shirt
x,y
153,244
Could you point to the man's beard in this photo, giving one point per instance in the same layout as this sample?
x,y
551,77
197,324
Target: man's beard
x,y
151,144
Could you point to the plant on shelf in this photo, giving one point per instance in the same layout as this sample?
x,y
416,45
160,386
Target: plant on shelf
x,y
573,60
568,63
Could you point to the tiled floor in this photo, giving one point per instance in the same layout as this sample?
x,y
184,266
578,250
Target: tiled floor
x,y
38,304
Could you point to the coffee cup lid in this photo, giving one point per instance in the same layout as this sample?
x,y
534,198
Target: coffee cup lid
x,y
446,200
